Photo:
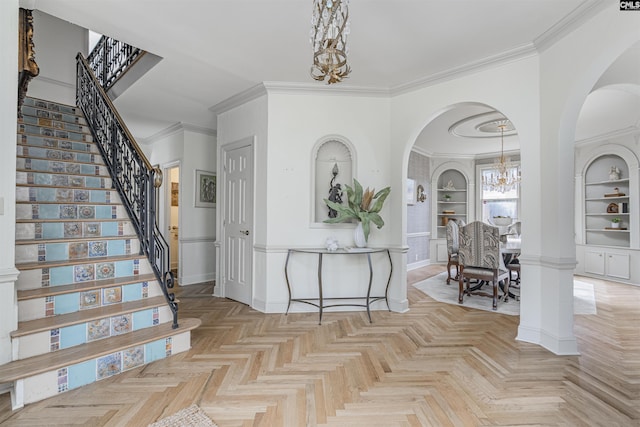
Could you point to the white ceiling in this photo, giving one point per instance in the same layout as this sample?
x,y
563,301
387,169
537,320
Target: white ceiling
x,y
214,49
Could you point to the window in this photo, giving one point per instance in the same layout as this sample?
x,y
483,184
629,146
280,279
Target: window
x,y
495,203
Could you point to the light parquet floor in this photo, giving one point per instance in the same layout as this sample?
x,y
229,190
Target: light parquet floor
x,y
437,365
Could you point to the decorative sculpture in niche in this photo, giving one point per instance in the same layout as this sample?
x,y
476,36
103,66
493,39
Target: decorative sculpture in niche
x,y
614,173
449,186
335,191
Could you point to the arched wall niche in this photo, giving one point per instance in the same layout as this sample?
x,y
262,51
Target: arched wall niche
x,y
332,153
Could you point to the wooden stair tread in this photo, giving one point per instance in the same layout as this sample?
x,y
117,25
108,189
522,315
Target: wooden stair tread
x,y
75,239
35,365
61,320
49,264
47,291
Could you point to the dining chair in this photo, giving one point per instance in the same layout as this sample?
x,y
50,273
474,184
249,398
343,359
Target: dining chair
x,y
452,247
479,258
514,263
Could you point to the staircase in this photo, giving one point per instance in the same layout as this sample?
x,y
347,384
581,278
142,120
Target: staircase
x,y
89,305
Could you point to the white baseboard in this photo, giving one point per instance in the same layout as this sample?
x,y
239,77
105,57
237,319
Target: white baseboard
x,y
418,264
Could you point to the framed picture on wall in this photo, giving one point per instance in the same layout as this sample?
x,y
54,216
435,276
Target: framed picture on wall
x,y
205,189
174,193
411,191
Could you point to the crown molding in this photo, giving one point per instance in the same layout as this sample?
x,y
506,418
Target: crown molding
x,y
294,88
618,133
570,22
174,129
316,89
239,99
505,57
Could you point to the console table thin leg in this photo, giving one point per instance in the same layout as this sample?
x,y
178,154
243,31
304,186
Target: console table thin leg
x,y
321,304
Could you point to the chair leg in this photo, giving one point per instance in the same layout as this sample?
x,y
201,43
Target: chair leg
x,y
460,288
495,294
449,272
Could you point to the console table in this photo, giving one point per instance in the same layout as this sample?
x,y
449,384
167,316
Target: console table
x,y
320,302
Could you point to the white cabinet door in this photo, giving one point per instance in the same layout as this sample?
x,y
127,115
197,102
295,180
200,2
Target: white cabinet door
x,y
441,252
594,262
618,265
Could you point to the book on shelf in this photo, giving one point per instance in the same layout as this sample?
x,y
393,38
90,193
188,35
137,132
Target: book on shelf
x,y
448,212
614,195
623,207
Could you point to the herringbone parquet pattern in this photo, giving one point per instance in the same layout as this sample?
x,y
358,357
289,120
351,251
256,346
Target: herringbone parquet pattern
x,y
437,365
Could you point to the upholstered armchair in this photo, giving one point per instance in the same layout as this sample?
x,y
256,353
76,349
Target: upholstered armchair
x,y
479,258
452,247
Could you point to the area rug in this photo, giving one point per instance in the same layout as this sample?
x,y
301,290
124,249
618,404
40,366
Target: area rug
x,y
192,416
584,301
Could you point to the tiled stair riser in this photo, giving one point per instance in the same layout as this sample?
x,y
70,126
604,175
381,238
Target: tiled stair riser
x,y
57,122
81,272
75,250
50,106
73,335
63,195
60,116
46,153
50,383
37,308
60,209
73,229
61,167
61,180
53,143
54,133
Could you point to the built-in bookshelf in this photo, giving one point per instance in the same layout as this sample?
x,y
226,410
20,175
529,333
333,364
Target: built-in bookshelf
x,y
451,199
607,202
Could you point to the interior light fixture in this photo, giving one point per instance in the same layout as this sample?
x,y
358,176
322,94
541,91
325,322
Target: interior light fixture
x,y
329,30
507,176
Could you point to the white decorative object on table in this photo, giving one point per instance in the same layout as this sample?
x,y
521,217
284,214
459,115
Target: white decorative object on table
x,y
359,238
332,244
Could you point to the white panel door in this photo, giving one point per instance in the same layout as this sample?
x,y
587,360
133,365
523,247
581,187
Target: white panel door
x,y
238,223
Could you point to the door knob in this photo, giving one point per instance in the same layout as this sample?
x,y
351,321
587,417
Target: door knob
x,y
245,232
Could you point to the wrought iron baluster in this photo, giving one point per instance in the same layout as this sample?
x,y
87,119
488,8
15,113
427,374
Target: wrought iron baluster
x,y
132,174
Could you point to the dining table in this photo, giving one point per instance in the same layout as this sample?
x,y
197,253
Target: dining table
x,y
510,247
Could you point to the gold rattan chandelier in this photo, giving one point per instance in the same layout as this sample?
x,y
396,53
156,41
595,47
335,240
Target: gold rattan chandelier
x,y
329,30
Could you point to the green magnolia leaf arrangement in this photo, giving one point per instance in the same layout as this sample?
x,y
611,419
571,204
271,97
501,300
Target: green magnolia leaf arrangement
x,y
359,207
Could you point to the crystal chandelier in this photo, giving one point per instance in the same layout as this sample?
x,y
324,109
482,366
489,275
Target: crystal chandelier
x,y
507,176
329,30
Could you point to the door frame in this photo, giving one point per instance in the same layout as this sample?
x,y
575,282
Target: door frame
x,y
165,205
221,197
